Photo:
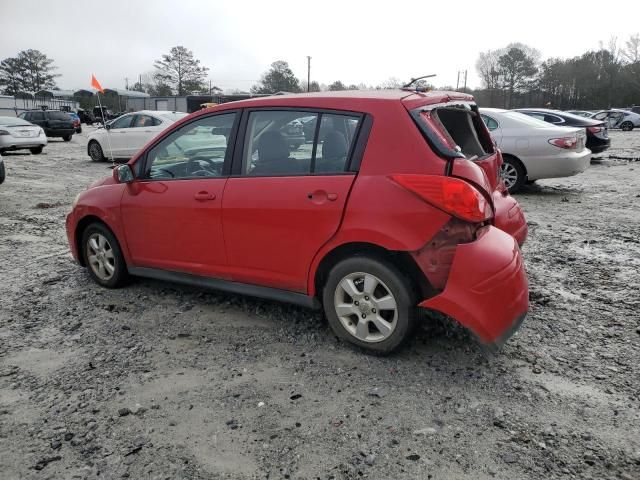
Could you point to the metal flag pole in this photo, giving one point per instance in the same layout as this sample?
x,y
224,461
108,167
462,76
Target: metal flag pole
x,y
104,124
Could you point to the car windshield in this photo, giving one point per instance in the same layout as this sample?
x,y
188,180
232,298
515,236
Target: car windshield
x,y
13,122
174,116
59,116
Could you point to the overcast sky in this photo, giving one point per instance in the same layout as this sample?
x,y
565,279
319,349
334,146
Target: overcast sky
x,y
349,41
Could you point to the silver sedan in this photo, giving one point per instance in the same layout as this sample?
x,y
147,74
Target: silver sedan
x,y
533,149
18,134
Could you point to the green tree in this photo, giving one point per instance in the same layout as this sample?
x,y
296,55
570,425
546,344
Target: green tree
x,y
181,71
337,86
279,78
31,70
517,69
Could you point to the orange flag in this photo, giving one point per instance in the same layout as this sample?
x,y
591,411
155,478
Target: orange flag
x,y
96,84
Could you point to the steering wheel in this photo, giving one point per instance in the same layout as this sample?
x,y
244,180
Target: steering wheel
x,y
215,167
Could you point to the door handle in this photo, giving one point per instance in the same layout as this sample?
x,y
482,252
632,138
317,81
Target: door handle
x,y
204,196
320,196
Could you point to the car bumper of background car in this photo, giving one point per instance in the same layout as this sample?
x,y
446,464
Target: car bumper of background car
x,y
487,290
563,164
8,142
598,145
60,133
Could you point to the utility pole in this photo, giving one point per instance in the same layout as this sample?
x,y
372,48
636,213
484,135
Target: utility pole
x,y
458,81
126,83
465,80
308,73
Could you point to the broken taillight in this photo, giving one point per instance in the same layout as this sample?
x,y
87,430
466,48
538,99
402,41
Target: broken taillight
x,y
452,195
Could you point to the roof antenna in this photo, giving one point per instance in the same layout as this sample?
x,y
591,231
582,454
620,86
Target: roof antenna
x,y
414,80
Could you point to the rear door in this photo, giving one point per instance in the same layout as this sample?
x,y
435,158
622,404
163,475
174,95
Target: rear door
x,y
285,202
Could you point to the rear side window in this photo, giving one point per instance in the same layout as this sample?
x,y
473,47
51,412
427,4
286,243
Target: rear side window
x,y
490,123
145,121
36,116
298,143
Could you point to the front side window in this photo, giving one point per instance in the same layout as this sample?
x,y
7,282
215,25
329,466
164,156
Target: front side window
x,y
122,122
197,150
290,143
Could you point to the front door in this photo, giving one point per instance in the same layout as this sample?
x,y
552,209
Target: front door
x,y
289,197
172,211
118,136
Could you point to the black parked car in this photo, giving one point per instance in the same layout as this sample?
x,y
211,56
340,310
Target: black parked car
x,y
597,135
86,116
55,123
1,170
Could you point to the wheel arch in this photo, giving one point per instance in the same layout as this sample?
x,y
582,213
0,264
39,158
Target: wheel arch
x,y
516,158
82,225
402,260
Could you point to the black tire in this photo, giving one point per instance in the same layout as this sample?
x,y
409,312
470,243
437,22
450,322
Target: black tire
x,y
36,150
394,281
513,165
79,130
2,172
627,126
120,274
95,151
67,138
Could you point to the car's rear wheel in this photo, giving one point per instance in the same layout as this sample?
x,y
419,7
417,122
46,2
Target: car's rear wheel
x,y
36,150
370,303
2,173
512,174
67,138
103,256
626,126
95,152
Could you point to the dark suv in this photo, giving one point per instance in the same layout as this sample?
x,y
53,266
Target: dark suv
x,y
55,123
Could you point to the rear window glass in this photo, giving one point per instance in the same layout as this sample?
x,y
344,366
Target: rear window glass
x,y
174,116
522,118
59,116
459,126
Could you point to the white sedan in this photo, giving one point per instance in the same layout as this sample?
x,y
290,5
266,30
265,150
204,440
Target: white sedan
x,y
124,136
533,149
18,134
616,118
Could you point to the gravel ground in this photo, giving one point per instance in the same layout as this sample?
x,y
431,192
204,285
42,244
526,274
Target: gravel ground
x,y
163,381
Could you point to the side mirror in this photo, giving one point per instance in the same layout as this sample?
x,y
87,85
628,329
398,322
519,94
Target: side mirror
x,y
123,174
107,126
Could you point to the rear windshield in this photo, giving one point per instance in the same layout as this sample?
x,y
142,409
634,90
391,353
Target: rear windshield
x,y
455,130
175,116
523,118
13,122
59,116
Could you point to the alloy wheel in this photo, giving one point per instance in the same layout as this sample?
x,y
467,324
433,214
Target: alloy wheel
x,y
100,256
366,307
509,174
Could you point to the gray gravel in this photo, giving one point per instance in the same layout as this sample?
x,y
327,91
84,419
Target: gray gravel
x,y
163,381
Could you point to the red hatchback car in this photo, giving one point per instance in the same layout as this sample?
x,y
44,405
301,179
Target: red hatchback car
x,y
393,204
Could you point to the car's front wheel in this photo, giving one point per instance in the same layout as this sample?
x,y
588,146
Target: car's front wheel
x,y
2,174
103,256
36,150
370,303
512,174
626,126
67,138
95,152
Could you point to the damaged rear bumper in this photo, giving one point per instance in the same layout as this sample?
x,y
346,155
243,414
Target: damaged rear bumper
x,y
487,290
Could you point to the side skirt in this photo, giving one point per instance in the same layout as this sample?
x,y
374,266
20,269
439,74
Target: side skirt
x,y
268,293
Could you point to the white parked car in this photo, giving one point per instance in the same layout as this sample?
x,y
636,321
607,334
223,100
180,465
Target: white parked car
x,y
18,134
124,136
533,149
617,118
